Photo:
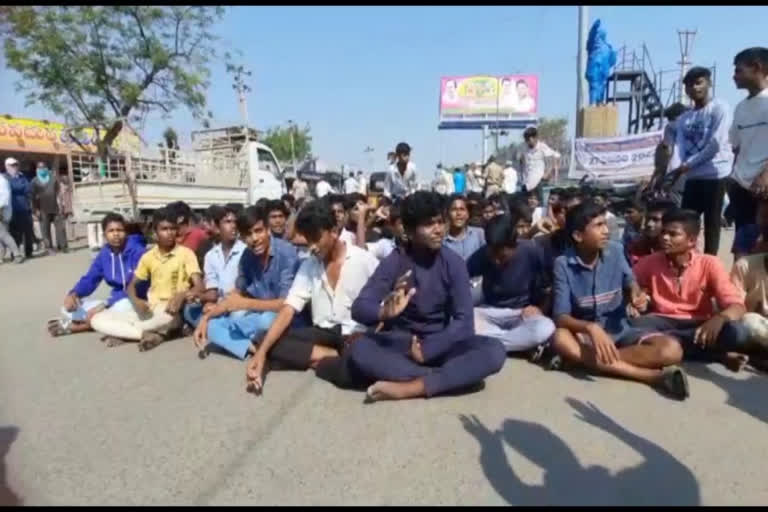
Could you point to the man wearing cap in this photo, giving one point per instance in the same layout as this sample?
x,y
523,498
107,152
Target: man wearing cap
x,y
6,211
401,177
21,225
705,154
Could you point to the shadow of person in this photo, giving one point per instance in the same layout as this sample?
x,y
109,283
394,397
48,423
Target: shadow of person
x,y
7,436
660,479
747,395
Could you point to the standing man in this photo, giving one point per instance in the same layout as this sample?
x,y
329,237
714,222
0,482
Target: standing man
x,y
6,214
362,184
350,184
299,189
22,227
533,158
494,177
65,204
705,154
401,177
459,181
749,135
45,198
510,178
322,189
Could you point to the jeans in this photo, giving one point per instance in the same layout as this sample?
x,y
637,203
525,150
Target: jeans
x,y
234,332
516,333
7,241
743,207
706,197
22,229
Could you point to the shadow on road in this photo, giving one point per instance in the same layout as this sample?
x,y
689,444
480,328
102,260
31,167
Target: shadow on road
x,y
659,480
747,395
7,436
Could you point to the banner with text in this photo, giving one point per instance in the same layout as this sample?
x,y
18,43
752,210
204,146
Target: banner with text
x,y
489,98
615,158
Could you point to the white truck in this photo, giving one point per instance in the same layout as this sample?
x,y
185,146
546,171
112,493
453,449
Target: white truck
x,y
223,166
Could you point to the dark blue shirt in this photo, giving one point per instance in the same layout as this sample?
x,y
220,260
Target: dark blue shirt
x,y
440,312
21,190
515,285
593,294
274,281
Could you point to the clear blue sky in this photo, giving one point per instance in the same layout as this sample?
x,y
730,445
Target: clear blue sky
x,y
370,75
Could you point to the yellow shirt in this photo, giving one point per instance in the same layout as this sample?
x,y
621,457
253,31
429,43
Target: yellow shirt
x,y
168,273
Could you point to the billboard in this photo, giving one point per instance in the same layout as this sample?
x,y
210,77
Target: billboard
x,y
623,157
20,134
506,100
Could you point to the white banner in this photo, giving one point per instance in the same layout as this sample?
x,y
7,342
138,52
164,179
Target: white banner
x,y
615,158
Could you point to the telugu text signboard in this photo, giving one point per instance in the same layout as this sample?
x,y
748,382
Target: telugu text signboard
x,y
615,158
486,99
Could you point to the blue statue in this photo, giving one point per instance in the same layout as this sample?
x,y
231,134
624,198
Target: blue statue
x,y
601,57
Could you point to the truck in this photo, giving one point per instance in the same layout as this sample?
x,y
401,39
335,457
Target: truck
x,y
224,165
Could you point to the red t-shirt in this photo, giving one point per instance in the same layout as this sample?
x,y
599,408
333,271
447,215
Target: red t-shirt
x,y
193,238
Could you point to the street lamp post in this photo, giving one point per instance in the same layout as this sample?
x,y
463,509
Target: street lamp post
x,y
292,128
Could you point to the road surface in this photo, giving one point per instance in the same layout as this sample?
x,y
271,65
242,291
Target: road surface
x,y
83,424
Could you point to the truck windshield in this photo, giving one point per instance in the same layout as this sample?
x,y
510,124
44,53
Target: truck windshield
x,y
267,163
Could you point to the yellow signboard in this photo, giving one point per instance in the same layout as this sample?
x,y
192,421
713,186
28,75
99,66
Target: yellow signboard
x,y
32,135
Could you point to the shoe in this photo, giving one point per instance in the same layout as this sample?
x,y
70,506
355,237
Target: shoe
x,y
556,363
19,259
674,381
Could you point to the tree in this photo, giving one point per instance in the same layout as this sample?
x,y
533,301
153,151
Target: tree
x,y
279,139
171,139
100,67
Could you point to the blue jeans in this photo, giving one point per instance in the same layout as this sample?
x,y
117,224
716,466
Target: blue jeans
x,y
235,331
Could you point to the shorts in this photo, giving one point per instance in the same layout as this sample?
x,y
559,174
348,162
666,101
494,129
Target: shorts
x,y
625,338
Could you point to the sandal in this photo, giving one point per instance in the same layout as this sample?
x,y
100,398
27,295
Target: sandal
x,y
56,328
150,340
675,382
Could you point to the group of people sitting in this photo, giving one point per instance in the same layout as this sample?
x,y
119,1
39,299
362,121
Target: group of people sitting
x,y
428,294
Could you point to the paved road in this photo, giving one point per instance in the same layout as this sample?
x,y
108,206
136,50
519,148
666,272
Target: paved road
x,y
83,424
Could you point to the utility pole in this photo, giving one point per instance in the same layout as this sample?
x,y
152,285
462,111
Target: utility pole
x,y
291,129
369,152
239,72
581,65
685,38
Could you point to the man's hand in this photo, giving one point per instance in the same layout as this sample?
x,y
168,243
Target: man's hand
x,y
677,174
254,373
175,304
141,307
707,333
94,311
200,336
396,302
640,302
71,302
208,307
760,185
416,352
604,346
529,311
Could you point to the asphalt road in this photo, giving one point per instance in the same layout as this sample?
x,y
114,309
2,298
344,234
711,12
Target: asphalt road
x,y
83,424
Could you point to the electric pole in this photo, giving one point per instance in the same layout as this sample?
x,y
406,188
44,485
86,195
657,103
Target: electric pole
x,y
291,129
685,37
369,151
239,73
581,64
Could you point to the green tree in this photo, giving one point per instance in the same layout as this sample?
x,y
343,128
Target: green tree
x,y
279,139
100,67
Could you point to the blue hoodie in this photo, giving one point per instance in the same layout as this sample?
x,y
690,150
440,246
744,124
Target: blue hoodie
x,y
116,269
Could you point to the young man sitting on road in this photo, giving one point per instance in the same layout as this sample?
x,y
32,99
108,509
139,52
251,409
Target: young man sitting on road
x,y
256,285
170,268
590,281
650,240
330,281
513,282
278,217
114,265
421,295
682,282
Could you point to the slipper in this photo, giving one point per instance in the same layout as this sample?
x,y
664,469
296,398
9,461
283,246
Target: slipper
x,y
56,328
675,382
150,340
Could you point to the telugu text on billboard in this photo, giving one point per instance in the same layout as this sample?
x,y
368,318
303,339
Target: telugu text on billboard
x,y
486,97
615,158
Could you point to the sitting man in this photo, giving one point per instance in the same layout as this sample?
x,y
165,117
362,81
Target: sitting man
x,y
170,268
462,238
682,283
266,271
391,233
114,264
278,217
513,280
421,295
330,281
591,314
650,240
221,264
555,243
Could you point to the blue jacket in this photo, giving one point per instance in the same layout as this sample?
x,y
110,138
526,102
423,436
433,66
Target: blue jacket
x,y
115,269
21,189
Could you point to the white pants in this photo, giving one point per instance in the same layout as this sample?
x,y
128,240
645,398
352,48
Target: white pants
x,y
127,325
515,332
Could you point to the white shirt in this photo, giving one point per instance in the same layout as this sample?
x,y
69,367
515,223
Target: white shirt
x,y
537,214
510,180
221,272
400,185
322,188
5,199
351,186
362,183
332,307
749,133
348,237
534,163
381,248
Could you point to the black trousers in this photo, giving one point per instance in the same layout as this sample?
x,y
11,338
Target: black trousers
x,y
743,206
294,350
22,228
46,219
706,197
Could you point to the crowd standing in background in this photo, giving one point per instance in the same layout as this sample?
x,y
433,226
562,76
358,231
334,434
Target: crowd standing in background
x,y
422,293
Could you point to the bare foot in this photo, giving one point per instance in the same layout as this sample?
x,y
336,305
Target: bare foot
x,y
149,340
386,390
735,361
112,342
56,329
